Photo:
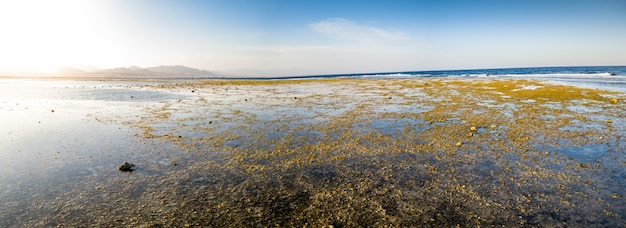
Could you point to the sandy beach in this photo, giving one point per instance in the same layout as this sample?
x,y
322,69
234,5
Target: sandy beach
x,y
316,153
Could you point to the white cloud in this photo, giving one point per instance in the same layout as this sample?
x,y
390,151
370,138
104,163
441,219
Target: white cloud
x,y
350,31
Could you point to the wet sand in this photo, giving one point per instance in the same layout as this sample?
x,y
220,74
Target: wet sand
x,y
339,152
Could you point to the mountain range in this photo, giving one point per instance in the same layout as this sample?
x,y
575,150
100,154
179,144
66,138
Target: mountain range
x,y
177,71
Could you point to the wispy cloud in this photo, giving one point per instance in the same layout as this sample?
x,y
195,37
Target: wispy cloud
x,y
354,47
351,31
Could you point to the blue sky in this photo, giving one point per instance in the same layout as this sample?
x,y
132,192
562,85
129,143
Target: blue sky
x,y
280,37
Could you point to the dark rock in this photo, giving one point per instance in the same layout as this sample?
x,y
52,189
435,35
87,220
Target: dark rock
x,y
126,167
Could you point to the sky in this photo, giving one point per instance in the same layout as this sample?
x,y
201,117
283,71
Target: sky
x,y
289,37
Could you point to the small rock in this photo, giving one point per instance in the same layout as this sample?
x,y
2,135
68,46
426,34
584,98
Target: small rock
x,y
473,129
126,167
459,144
609,121
614,100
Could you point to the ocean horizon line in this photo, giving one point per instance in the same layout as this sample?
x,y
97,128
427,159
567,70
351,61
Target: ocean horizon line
x,y
616,70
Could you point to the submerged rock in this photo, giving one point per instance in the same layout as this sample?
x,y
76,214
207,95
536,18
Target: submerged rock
x,y
126,167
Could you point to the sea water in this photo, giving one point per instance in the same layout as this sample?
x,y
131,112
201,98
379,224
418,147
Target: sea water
x,y
55,133
601,77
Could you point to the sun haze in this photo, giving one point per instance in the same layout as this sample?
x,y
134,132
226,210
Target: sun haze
x,y
46,35
277,37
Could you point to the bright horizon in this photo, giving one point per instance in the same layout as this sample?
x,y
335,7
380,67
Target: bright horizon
x,y
277,38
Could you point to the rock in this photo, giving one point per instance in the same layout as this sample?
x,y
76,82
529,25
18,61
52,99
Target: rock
x,y
609,121
473,129
126,167
614,100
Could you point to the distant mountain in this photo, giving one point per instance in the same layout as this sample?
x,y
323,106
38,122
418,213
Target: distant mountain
x,y
86,68
125,71
180,70
177,71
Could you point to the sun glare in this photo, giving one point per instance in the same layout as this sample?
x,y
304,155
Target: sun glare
x,y
44,36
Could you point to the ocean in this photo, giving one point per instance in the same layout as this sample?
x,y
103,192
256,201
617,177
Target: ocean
x,y
543,72
600,77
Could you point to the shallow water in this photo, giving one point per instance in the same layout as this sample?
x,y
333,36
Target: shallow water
x,y
399,152
55,134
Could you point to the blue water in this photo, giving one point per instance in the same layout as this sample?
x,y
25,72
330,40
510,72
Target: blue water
x,y
611,78
557,72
